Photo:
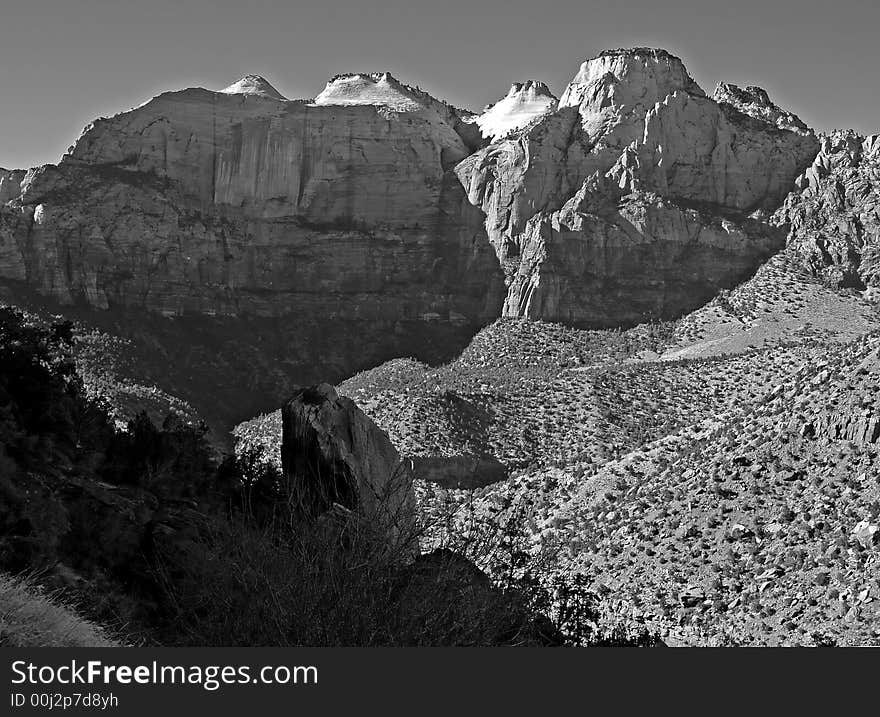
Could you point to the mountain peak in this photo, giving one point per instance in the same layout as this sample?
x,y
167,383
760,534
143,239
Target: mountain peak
x,y
524,102
535,87
641,75
253,85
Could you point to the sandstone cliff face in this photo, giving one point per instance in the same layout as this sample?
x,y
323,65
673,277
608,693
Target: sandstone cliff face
x,y
834,218
335,226
240,201
633,199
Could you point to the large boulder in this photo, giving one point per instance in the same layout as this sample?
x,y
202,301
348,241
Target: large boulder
x,y
332,454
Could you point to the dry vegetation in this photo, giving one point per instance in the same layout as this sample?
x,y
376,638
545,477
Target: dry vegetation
x,y
30,618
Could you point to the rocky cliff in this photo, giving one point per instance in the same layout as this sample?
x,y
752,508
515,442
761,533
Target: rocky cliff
x,y
334,456
639,196
524,103
834,218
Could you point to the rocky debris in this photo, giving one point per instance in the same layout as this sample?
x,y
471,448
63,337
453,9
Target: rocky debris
x,y
523,104
833,220
782,304
468,471
861,428
254,85
633,133
691,596
331,453
850,410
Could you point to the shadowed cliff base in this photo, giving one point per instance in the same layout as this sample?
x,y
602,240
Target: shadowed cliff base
x,y
229,369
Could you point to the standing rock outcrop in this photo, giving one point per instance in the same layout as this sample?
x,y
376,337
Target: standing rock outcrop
x,y
331,453
633,199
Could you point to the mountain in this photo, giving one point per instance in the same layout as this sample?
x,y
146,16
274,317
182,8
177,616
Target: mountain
x,y
261,226
834,219
650,311
638,197
239,232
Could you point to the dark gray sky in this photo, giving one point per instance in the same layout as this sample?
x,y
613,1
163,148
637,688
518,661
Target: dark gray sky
x,y
65,62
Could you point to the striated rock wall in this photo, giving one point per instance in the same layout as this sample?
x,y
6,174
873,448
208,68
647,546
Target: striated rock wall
x,y
639,196
226,203
320,222
647,257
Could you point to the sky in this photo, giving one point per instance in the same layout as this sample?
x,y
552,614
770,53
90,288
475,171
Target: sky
x,y
65,62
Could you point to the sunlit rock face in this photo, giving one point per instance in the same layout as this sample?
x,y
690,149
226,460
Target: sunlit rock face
x,y
241,201
523,104
374,220
639,196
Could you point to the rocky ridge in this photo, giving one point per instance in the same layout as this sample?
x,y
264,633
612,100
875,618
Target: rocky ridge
x,y
376,209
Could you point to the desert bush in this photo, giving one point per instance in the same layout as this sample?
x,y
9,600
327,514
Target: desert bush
x,y
332,584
